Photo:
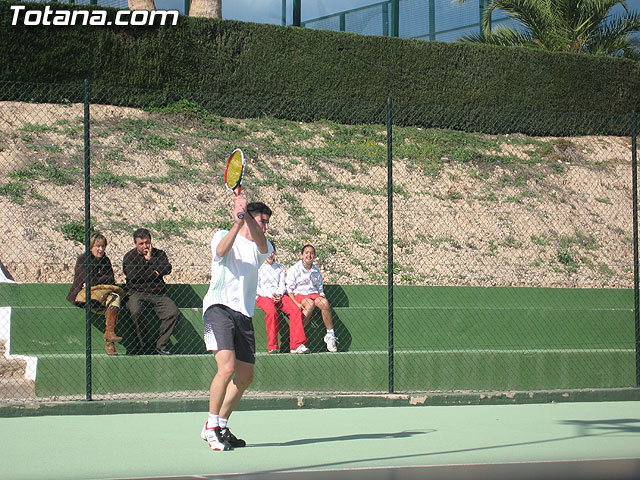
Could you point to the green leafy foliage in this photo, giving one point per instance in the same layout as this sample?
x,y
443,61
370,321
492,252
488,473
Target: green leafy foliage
x,y
74,230
579,26
244,70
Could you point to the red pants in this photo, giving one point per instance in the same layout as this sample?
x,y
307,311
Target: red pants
x,y
301,297
286,305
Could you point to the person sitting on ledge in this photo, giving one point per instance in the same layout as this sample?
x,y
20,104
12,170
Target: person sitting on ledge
x,y
105,294
144,267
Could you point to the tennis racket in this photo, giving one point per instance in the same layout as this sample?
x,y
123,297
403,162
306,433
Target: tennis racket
x,y
233,173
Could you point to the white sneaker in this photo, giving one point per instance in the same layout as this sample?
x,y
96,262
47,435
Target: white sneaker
x,y
214,437
302,348
332,342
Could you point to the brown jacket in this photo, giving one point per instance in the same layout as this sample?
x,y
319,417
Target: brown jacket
x,y
101,274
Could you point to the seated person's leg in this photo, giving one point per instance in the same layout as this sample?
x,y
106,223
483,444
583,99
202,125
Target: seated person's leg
x,y
135,304
112,303
271,321
307,309
168,313
323,304
297,336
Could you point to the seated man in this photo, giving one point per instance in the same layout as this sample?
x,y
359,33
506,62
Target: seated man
x,y
270,298
144,268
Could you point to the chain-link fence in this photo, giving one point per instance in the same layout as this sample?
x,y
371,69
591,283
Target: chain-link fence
x,y
479,261
440,20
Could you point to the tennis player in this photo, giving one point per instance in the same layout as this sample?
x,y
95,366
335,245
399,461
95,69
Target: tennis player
x,y
237,254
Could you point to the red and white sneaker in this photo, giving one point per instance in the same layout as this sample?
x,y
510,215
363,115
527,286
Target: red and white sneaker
x,y
214,437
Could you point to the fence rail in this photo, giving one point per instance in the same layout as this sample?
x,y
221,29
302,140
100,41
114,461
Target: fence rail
x,y
453,260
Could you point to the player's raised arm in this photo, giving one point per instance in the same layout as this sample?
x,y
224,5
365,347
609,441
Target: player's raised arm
x,y
257,233
256,224
239,205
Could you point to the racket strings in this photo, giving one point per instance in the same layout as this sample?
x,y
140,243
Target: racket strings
x,y
233,173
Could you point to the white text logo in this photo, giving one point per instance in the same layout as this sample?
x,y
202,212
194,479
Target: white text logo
x,y
48,16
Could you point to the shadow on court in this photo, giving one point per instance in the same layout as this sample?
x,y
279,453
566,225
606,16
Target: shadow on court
x,y
616,469
620,425
356,437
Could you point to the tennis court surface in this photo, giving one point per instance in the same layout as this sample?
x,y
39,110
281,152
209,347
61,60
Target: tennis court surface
x,y
552,441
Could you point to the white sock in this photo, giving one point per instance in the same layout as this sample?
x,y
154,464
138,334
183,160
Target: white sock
x,y
213,421
330,333
223,422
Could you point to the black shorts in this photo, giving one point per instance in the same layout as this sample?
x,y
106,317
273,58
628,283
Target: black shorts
x,y
226,329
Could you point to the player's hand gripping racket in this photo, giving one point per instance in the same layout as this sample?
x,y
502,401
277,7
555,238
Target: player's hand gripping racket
x,y
233,173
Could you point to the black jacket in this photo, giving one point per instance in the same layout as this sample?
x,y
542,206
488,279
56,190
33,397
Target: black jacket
x,y
145,275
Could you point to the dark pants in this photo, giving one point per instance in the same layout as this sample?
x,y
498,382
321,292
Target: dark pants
x,y
165,308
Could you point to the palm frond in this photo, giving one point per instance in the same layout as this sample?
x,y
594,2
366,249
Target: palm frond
x,y
562,25
532,14
504,36
615,36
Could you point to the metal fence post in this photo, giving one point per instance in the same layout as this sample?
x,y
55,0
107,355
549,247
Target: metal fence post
x,y
390,241
395,18
87,235
636,289
432,19
296,13
385,19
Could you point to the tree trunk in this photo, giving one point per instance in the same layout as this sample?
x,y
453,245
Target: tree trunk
x,y
142,5
206,8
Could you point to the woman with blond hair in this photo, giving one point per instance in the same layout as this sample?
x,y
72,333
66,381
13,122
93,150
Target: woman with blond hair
x,y
105,294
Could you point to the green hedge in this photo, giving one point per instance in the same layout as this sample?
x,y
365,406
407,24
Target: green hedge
x,y
305,68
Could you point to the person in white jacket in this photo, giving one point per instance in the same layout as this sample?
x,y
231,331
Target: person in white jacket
x,y
271,297
305,287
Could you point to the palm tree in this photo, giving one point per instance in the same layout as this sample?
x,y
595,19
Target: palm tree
x,y
197,8
581,26
206,8
142,4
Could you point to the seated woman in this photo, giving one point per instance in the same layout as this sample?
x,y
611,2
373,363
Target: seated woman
x,y
305,286
105,294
